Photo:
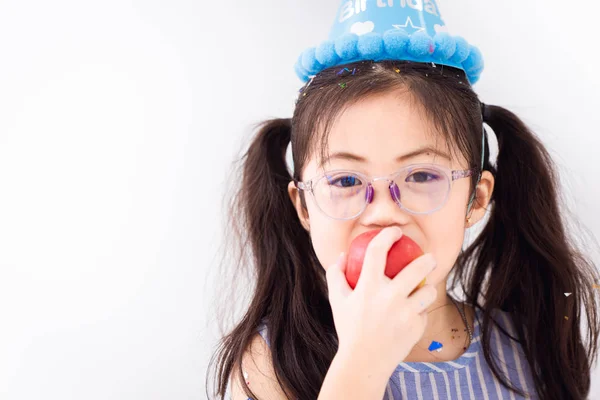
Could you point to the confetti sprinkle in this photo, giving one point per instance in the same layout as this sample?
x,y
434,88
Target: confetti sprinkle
x,y
343,85
342,71
596,286
567,294
460,82
397,70
433,65
435,346
566,317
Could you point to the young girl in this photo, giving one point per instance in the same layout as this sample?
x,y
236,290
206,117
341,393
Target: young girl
x,y
396,141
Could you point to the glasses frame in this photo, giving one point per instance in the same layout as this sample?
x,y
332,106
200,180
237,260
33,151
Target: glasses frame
x,y
452,175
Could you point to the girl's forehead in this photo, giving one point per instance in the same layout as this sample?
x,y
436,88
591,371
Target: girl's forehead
x,y
384,130
390,119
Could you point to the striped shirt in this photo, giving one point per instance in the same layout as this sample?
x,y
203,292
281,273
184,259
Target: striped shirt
x,y
467,377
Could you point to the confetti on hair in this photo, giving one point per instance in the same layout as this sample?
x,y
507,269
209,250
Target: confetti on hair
x,y
397,70
343,85
341,71
433,65
345,72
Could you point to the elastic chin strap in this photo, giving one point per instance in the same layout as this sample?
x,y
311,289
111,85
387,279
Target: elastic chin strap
x,y
482,158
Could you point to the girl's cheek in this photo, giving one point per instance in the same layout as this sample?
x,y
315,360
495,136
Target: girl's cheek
x,y
328,244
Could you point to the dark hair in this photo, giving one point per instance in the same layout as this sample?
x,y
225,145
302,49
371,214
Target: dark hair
x,y
522,262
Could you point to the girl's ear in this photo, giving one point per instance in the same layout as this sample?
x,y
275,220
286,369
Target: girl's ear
x,y
294,194
483,194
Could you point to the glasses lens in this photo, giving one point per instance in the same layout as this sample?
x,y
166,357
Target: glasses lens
x,y
340,195
423,189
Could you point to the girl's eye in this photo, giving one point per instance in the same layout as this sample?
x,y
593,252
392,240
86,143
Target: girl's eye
x,y
422,177
345,181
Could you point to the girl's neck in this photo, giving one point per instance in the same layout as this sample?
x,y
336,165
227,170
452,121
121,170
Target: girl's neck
x,y
445,325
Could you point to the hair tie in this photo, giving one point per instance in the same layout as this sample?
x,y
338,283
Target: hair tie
x,y
484,111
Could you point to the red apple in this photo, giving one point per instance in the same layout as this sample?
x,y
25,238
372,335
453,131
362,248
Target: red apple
x,y
402,253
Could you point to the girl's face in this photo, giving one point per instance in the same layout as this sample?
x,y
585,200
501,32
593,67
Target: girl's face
x,y
380,129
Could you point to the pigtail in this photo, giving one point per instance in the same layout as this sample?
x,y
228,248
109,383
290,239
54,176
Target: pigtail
x,y
286,270
524,262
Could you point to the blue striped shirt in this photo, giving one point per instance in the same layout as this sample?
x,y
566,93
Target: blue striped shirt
x,y
467,377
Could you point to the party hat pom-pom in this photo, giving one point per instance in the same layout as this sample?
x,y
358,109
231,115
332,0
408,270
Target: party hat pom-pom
x,y
326,54
462,50
420,44
370,45
445,46
309,61
396,42
300,71
345,46
474,61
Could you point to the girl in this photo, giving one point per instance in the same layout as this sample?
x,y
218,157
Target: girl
x,y
416,126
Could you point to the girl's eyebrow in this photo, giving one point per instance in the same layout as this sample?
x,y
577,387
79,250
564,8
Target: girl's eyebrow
x,y
341,155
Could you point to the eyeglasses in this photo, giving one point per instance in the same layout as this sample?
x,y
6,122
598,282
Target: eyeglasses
x,y
416,188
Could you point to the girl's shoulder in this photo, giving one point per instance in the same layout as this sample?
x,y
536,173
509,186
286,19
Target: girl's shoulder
x,y
257,371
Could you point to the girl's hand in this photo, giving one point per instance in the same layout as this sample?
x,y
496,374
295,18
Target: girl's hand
x,y
380,320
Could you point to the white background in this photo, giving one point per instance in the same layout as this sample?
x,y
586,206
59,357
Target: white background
x,y
118,123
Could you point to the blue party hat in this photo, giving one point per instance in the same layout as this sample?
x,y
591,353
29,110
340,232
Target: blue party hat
x,y
377,30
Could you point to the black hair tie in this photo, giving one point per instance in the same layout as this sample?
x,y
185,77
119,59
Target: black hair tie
x,y
484,111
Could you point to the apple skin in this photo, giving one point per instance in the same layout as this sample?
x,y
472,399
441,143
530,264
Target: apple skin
x,y
402,253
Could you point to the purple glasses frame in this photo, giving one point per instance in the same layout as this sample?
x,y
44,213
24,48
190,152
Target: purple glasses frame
x,y
394,190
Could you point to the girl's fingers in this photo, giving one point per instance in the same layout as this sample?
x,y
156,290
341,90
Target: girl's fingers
x,y
336,279
373,269
410,277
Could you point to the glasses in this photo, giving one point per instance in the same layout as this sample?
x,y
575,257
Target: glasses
x,y
416,188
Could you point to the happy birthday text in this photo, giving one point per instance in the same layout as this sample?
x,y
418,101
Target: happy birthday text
x,y
355,7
